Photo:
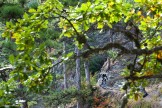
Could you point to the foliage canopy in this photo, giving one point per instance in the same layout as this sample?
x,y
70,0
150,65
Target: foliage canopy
x,y
33,63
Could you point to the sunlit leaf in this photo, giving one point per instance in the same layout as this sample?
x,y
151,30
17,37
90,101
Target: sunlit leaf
x,y
100,25
11,59
32,10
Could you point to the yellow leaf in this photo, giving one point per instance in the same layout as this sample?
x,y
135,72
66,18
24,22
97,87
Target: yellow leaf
x,y
159,54
149,73
111,3
16,35
100,25
31,68
92,20
153,9
136,96
67,34
65,27
32,10
139,13
132,12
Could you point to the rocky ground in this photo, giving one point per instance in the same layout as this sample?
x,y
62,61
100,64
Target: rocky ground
x,y
153,100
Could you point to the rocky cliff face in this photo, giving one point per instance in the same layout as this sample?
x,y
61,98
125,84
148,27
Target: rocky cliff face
x,y
112,70
115,62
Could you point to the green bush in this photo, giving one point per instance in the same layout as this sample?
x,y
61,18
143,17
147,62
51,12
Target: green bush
x,y
13,11
67,96
96,63
8,46
60,97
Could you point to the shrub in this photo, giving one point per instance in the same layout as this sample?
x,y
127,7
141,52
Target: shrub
x,y
96,63
13,11
67,96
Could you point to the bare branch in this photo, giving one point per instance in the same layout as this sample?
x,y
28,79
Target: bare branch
x,y
124,50
6,68
87,53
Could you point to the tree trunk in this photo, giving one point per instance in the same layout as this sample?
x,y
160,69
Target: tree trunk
x,y
87,74
78,77
64,67
54,76
86,66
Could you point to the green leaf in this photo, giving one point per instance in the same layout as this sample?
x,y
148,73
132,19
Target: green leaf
x,y
32,10
70,54
1,93
85,6
100,25
67,34
109,25
86,27
11,59
25,16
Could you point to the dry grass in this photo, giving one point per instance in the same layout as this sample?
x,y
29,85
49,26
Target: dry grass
x,y
143,104
153,100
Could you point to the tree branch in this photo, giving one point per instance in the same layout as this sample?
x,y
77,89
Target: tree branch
x,y
6,68
124,50
87,53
